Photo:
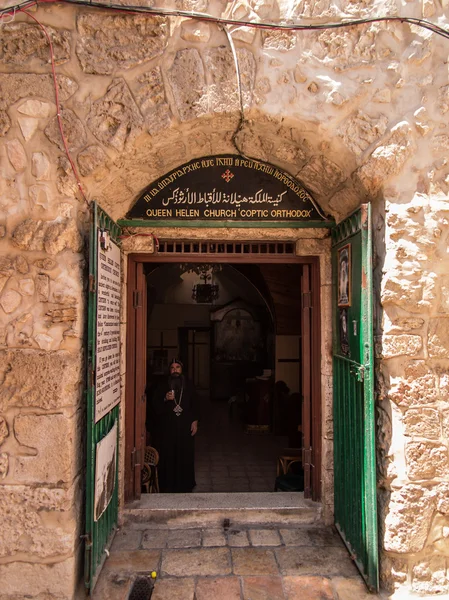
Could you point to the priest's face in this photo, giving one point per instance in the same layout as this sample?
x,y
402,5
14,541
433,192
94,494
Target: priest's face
x,y
175,369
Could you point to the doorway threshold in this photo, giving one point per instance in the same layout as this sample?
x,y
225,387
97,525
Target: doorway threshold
x,y
219,509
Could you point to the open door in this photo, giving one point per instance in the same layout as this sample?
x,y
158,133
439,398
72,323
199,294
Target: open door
x,y
306,327
354,419
103,391
136,376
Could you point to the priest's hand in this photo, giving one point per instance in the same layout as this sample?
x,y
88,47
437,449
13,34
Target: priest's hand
x,y
194,427
170,395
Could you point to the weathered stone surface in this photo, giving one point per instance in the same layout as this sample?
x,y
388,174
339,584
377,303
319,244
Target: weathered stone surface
x,y
430,576
62,315
40,166
223,92
22,42
321,176
31,378
48,436
361,130
29,235
90,158
278,40
401,345
74,131
43,287
175,588
438,338
115,119
28,127
22,526
15,86
10,300
407,519
426,460
187,80
5,123
40,195
26,287
388,159
44,341
35,108
59,576
110,42
423,422
417,387
4,430
195,31
63,235
16,154
254,561
4,465
158,118
198,561
47,264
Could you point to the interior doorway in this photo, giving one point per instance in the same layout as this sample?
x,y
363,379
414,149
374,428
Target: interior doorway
x,y
251,351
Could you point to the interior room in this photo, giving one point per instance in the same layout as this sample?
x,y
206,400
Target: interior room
x,y
236,329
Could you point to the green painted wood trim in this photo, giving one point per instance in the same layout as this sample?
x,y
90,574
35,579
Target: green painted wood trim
x,y
229,224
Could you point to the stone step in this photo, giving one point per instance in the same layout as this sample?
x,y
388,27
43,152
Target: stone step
x,y
281,509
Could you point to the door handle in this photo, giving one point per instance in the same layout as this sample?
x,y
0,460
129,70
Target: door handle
x,y
358,371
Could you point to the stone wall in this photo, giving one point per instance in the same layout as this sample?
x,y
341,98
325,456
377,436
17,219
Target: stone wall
x,y
359,113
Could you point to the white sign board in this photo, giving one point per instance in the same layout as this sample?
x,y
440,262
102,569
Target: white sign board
x,y
107,362
105,471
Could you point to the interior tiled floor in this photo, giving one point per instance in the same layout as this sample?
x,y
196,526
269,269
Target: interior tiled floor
x,y
229,460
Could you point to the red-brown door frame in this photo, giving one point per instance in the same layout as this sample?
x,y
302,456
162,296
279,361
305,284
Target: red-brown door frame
x,y
136,357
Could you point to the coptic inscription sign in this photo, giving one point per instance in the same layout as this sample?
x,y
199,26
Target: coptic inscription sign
x,y
107,363
226,188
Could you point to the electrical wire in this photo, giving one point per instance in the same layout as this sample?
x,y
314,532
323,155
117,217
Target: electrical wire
x,y
58,106
168,12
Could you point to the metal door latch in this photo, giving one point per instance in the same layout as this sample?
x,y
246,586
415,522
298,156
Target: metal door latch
x,y
358,372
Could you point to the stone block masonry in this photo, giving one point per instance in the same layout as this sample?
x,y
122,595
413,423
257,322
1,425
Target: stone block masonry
x,y
356,114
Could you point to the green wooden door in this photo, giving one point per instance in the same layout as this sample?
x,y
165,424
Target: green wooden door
x,y
354,419
103,391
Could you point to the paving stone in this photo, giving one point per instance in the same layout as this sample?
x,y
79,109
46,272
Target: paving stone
x,y
305,560
133,561
174,589
254,561
155,538
237,538
262,588
308,536
222,588
296,537
351,589
196,561
214,537
113,587
184,538
308,588
127,539
264,537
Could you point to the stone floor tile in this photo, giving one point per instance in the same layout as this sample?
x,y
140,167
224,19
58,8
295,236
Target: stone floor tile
x,y
213,537
254,561
264,537
112,587
308,588
307,560
351,589
184,538
296,537
262,588
325,536
238,538
154,538
220,588
127,539
196,561
133,561
174,589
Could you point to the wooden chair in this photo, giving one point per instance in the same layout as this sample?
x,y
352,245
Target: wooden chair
x,y
149,475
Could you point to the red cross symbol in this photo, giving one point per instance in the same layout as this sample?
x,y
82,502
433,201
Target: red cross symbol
x,y
227,175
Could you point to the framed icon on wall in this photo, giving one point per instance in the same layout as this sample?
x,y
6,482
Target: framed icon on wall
x,y
344,276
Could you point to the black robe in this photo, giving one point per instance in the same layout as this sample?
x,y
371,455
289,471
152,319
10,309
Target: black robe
x,y
176,444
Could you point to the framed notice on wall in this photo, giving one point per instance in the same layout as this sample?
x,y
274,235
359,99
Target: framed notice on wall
x,y
105,471
344,276
107,363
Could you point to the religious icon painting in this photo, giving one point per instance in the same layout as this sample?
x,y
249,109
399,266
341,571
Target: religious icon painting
x,y
344,276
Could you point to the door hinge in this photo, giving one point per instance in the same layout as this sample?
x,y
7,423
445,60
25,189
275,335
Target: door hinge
x,y
307,299
137,299
92,284
135,458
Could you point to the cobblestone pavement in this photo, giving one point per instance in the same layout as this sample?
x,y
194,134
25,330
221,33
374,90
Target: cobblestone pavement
x,y
247,563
